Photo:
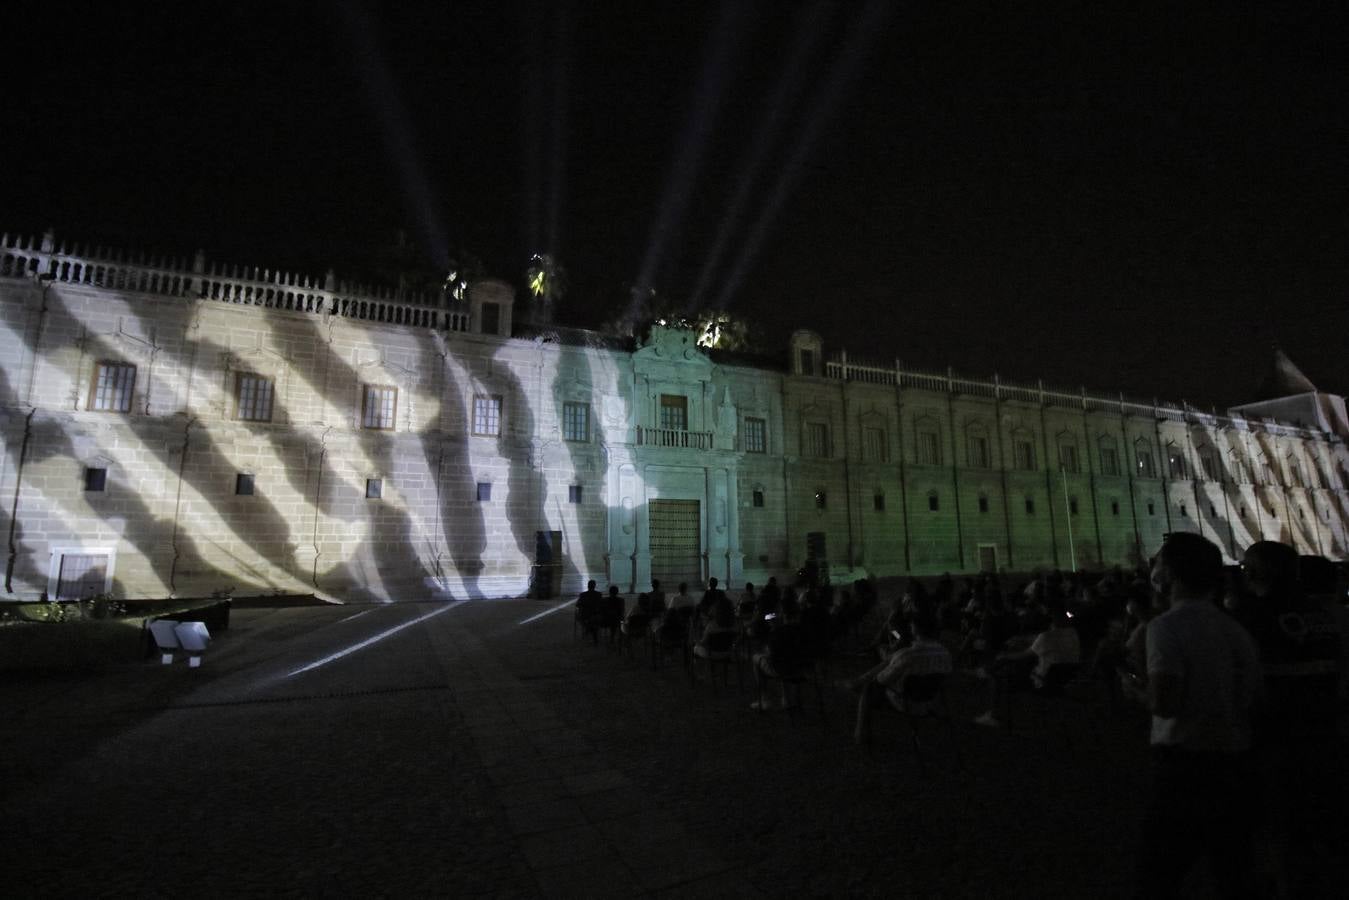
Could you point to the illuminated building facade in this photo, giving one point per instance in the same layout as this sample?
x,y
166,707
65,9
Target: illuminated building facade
x,y
174,427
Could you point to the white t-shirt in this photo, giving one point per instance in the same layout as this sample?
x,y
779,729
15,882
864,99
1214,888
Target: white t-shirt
x,y
1219,671
679,600
1057,645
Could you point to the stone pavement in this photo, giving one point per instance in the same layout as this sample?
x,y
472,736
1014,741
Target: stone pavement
x,y
470,754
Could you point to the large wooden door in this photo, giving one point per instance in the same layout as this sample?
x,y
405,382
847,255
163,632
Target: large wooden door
x,y
676,544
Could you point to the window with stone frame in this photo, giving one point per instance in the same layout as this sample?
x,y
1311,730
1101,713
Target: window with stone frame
x,y
928,446
379,407
1295,472
576,422
1175,462
1109,457
817,440
252,397
114,384
1208,461
487,416
1068,457
1023,452
976,450
674,412
875,448
1144,464
1236,467
1267,475
756,435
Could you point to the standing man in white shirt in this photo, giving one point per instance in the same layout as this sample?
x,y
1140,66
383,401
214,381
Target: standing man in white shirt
x,y
1203,677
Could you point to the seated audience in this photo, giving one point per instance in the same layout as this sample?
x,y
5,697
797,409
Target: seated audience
x,y
885,682
1059,644
784,656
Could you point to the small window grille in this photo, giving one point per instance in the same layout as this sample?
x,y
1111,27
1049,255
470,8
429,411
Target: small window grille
x,y
243,485
821,500
574,493
374,488
484,491
757,499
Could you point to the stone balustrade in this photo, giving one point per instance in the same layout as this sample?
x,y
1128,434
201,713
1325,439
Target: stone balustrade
x,y
200,279
844,369
674,437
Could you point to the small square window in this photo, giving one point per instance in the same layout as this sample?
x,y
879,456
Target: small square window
x,y
243,485
1242,512
933,503
878,502
374,488
1030,507
821,500
758,499
983,504
484,491
1184,512
95,479
1212,510
1072,506
574,492
1152,510
1114,507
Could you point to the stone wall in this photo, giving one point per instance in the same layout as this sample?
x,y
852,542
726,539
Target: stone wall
x,y
911,473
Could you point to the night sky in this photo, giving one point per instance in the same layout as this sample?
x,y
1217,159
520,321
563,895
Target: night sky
x,y
1143,200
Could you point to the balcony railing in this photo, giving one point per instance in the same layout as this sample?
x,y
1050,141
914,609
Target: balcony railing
x,y
674,437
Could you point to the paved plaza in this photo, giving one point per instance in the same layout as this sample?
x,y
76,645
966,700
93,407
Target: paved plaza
x,y
479,749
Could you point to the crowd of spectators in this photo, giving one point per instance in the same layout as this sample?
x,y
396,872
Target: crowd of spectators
x,y
1244,670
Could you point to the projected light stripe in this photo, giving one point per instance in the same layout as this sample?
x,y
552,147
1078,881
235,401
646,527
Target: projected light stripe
x,y
373,640
546,612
